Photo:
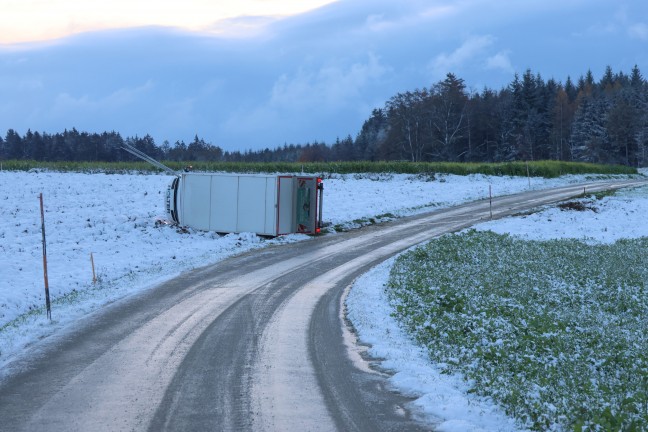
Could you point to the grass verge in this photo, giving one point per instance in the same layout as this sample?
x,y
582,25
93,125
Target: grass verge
x,y
547,169
553,331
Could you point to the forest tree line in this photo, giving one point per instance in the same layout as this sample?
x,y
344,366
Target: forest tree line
x,y
600,121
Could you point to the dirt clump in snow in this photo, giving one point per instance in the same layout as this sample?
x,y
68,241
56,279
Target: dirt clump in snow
x,y
577,206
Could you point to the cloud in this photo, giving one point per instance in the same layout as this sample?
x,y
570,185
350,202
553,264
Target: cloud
x,y
329,86
301,78
638,31
313,99
413,16
124,96
241,27
473,48
65,103
500,61
27,84
438,12
30,20
377,22
120,98
620,23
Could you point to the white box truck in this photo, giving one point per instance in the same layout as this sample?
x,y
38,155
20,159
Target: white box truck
x,y
268,205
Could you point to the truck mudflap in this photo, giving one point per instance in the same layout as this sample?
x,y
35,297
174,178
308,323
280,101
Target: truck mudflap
x,y
320,205
172,200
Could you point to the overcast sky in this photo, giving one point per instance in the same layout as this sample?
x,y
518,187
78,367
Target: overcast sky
x,y
275,72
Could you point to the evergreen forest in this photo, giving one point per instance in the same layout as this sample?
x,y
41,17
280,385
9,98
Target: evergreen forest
x,y
593,120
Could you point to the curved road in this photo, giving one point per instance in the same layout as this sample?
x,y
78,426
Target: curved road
x,y
257,342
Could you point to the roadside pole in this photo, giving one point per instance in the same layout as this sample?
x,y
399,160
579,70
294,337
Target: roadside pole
x,y
94,275
490,199
47,297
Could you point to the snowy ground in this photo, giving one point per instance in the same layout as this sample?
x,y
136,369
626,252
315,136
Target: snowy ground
x,y
116,218
441,397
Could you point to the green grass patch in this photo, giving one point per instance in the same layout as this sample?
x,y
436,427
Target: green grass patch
x,y
603,194
556,332
547,169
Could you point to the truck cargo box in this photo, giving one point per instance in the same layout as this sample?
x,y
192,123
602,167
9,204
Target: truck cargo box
x,y
263,204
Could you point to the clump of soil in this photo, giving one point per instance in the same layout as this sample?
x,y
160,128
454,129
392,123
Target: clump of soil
x,y
577,206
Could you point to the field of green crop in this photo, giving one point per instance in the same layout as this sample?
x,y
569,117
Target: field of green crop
x,y
556,332
547,169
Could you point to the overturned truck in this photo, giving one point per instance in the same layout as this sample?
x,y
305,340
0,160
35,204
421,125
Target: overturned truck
x,y
268,205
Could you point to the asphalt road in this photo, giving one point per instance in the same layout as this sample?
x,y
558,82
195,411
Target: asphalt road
x,y
257,342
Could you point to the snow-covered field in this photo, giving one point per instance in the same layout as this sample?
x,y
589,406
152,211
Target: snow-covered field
x,y
441,397
116,218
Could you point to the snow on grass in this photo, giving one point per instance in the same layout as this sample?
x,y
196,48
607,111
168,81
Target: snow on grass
x,y
441,398
353,200
606,220
552,329
116,217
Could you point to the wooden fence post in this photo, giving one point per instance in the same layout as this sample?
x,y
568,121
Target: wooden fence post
x,y
94,276
490,199
47,296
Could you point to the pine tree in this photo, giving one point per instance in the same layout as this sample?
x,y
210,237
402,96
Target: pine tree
x,y
14,144
589,136
372,136
639,102
570,90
